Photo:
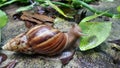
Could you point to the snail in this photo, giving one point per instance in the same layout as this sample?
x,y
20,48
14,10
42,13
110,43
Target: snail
x,y
43,39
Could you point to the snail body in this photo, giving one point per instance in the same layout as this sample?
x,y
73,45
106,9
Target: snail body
x,y
43,39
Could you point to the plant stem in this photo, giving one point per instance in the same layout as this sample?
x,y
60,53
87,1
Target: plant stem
x,y
91,8
7,3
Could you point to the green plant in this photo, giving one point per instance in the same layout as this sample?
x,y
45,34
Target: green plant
x,y
96,32
3,21
54,4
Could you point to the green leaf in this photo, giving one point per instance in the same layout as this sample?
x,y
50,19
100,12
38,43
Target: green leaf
x,y
117,16
25,8
2,1
56,8
92,17
107,0
97,32
7,3
3,19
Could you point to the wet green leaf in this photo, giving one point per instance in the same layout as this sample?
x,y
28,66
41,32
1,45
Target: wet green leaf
x,y
96,33
3,19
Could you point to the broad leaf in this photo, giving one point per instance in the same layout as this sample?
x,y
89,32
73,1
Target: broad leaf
x,y
97,32
3,19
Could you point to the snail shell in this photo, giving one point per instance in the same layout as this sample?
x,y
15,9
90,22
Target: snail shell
x,y
43,39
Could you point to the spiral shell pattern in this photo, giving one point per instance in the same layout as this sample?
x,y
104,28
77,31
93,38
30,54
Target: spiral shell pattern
x,y
40,39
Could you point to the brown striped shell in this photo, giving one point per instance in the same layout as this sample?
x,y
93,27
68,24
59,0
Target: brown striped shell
x,y
42,39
